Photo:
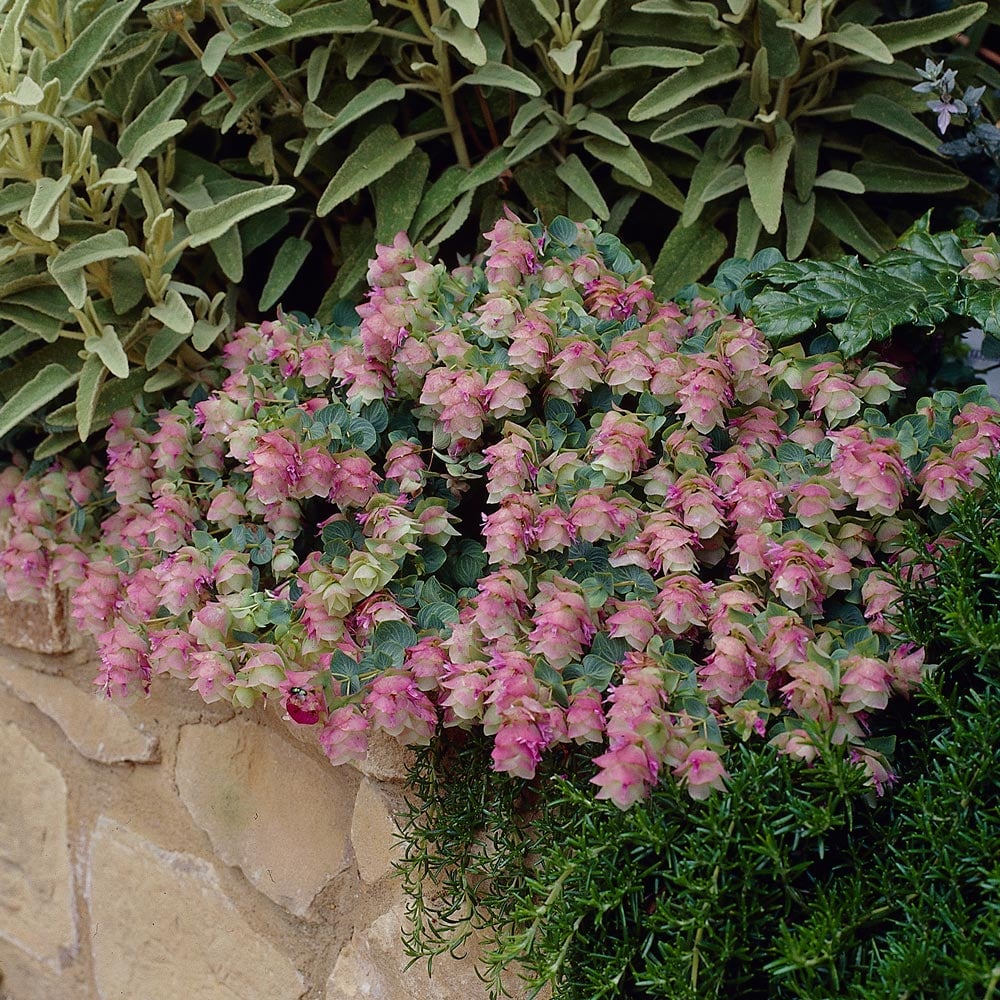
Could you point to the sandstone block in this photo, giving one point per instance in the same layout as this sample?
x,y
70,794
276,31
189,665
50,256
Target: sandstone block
x,y
374,831
43,626
162,928
373,967
96,726
281,816
36,888
387,760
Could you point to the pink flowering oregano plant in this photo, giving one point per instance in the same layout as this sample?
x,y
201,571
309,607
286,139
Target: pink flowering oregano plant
x,y
521,495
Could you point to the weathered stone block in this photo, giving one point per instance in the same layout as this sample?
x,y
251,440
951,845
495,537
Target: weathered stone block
x,y
43,626
36,887
162,928
387,760
374,834
96,726
281,816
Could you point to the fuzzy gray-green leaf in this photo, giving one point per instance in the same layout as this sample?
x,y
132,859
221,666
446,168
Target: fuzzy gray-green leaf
x,y
152,126
108,347
720,66
207,224
497,74
766,169
901,35
892,116
894,177
76,63
658,56
374,156
10,33
624,158
463,39
67,267
174,312
92,377
799,216
836,215
288,260
342,17
858,38
42,214
397,195
52,380
687,255
377,93
576,177
267,13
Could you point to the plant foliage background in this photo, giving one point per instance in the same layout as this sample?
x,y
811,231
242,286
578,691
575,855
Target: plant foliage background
x,y
669,595
161,161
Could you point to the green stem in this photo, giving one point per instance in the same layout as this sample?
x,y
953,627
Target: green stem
x,y
404,36
714,890
223,21
445,86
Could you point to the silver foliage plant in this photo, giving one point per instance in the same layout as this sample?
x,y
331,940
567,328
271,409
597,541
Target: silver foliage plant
x,y
168,166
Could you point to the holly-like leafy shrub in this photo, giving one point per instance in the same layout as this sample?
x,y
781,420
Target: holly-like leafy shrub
x,y
913,305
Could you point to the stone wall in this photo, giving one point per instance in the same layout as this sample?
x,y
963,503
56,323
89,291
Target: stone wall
x,y
167,849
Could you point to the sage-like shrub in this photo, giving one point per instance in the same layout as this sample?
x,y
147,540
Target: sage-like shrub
x,y
522,496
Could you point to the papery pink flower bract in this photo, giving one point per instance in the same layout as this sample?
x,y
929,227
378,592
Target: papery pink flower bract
x,y
355,481
502,603
397,706
869,470
563,625
632,621
344,736
906,668
511,253
701,773
585,722
730,668
704,394
626,775
832,393
404,465
124,661
465,686
425,661
864,683
629,366
699,507
276,466
682,602
669,544
619,446
578,365
608,297
510,530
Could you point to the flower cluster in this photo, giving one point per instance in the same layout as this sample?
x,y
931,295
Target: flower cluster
x,y
522,495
